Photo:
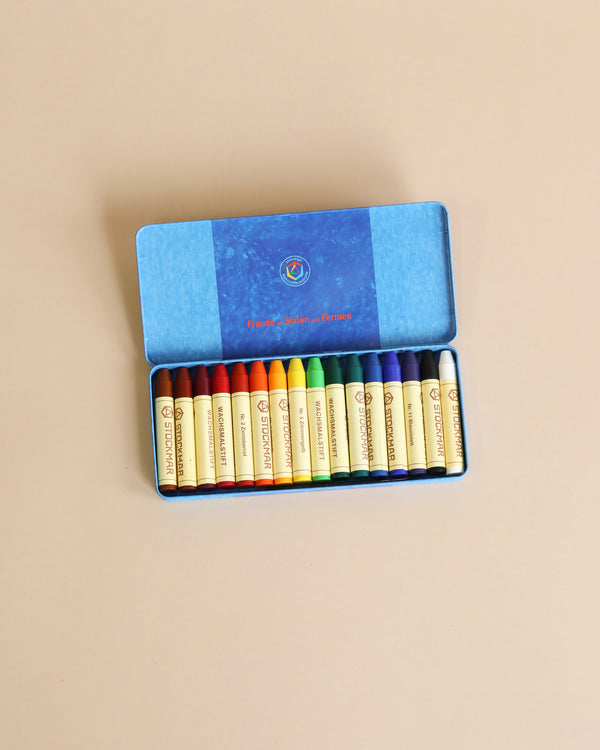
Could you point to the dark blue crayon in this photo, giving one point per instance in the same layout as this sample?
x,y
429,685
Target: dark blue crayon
x,y
376,437
413,415
394,416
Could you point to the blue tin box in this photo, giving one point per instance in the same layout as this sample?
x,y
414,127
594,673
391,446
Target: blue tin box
x,y
296,285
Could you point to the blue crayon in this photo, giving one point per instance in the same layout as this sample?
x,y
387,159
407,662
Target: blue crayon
x,y
394,416
413,415
375,412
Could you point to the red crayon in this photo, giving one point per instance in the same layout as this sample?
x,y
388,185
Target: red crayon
x,y
203,424
222,427
261,424
242,427
184,431
164,426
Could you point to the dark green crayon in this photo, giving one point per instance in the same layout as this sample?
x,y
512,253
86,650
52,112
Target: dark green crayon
x,y
357,418
339,456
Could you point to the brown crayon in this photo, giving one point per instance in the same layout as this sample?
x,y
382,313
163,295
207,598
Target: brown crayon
x,y
164,427
185,448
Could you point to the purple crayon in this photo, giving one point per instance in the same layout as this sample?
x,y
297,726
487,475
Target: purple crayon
x,y
394,416
413,415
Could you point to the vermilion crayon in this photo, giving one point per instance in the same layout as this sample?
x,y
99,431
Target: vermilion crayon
x,y
222,427
357,419
184,431
413,415
339,456
242,426
164,428
301,468
375,412
280,423
394,416
203,428
317,421
432,414
450,400
261,424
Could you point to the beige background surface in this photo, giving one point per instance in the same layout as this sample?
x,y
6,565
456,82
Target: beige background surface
x,y
459,615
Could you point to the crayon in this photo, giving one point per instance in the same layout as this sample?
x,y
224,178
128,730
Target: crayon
x,y
449,396
261,424
222,428
432,415
394,416
184,431
280,423
301,468
413,415
242,426
339,457
375,408
203,428
164,424
357,420
317,421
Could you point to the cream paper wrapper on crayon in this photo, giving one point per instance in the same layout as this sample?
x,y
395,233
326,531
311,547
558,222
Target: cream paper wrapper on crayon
x,y
242,437
317,425
453,442
339,457
261,435
223,435
357,427
413,422
164,418
434,430
205,446
299,432
185,442
376,432
394,424
280,430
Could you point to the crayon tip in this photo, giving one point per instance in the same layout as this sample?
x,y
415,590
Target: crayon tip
x,y
296,374
239,378
315,377
183,383
258,376
354,371
201,381
373,373
220,380
429,368
447,365
277,376
391,368
410,367
333,371
163,385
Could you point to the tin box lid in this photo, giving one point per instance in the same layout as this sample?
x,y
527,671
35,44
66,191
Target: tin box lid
x,y
292,284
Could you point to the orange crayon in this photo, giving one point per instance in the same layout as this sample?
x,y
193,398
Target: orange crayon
x,y
280,423
261,424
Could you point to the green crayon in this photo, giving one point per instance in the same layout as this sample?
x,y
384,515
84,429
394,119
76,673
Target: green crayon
x,y
317,421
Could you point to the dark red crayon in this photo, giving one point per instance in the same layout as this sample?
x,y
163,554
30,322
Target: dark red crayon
x,y
203,423
184,431
223,431
164,427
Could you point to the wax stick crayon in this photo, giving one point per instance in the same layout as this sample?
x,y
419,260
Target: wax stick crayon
x,y
453,441
317,421
222,427
357,419
301,467
164,427
184,431
375,409
280,423
413,415
261,424
394,416
242,426
432,415
203,428
339,457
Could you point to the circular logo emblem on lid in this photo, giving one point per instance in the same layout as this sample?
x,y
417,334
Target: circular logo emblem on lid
x,y
294,270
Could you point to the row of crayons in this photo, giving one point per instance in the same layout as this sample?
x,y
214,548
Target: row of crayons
x,y
401,419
